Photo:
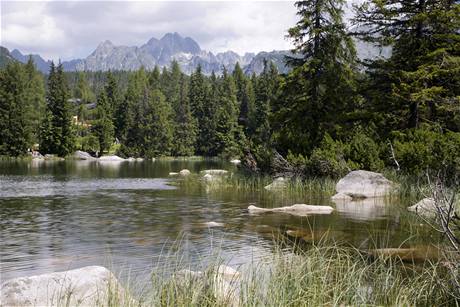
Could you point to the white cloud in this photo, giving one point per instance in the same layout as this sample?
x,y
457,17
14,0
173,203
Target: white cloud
x,y
73,29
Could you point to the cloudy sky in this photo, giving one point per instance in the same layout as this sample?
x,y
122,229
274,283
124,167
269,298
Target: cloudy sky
x,y
71,29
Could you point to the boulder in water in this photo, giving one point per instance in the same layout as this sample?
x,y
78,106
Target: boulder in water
x,y
363,184
213,224
82,155
173,174
184,172
235,161
425,207
112,158
297,209
87,286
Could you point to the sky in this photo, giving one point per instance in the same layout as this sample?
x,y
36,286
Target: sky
x,y
73,29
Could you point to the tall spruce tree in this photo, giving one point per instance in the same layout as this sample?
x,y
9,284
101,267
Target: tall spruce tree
x,y
420,80
154,124
14,110
103,128
265,96
185,131
35,96
60,140
203,110
229,135
321,84
113,94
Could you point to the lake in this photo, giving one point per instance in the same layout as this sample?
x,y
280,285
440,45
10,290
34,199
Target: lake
x,y
134,218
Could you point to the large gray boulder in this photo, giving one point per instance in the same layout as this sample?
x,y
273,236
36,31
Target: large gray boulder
x,y
362,184
82,155
111,159
87,286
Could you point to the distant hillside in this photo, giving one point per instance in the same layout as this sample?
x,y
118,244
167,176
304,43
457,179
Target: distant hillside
x,y
5,57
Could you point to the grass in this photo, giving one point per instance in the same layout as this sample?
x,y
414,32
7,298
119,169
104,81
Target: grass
x,y
321,275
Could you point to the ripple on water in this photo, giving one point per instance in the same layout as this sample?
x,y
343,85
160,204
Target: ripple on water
x,y
42,186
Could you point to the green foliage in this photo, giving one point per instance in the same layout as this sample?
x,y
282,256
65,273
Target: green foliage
x,y
421,150
58,135
329,159
90,143
104,129
364,152
14,107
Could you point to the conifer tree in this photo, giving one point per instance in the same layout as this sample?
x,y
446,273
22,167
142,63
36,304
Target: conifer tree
x,y
82,90
186,125
322,82
203,110
14,120
103,127
113,94
420,78
229,135
61,138
35,96
265,96
155,127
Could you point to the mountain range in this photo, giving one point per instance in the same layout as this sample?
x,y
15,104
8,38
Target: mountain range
x,y
161,52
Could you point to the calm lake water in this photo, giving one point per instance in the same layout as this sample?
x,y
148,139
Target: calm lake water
x,y
132,217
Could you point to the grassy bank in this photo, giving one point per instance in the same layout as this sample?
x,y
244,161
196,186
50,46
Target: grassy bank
x,y
318,276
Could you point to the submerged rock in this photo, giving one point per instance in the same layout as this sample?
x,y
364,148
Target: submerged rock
x,y
184,172
173,174
82,155
277,184
297,209
111,158
87,286
425,207
363,184
213,224
215,172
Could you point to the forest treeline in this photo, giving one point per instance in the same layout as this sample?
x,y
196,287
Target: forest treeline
x,y
330,114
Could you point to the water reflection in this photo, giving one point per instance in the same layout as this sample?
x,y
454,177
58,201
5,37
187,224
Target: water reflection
x,y
63,215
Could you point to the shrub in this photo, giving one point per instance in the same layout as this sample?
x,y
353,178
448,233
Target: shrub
x,y
420,150
364,152
329,159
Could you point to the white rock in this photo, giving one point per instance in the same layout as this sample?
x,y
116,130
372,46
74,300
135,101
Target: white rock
x,y
213,224
228,272
130,159
297,209
82,155
341,197
173,174
235,161
215,172
111,159
184,172
139,159
363,184
209,178
425,207
277,184
87,286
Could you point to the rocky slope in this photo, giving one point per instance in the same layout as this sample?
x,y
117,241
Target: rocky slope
x,y
185,50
